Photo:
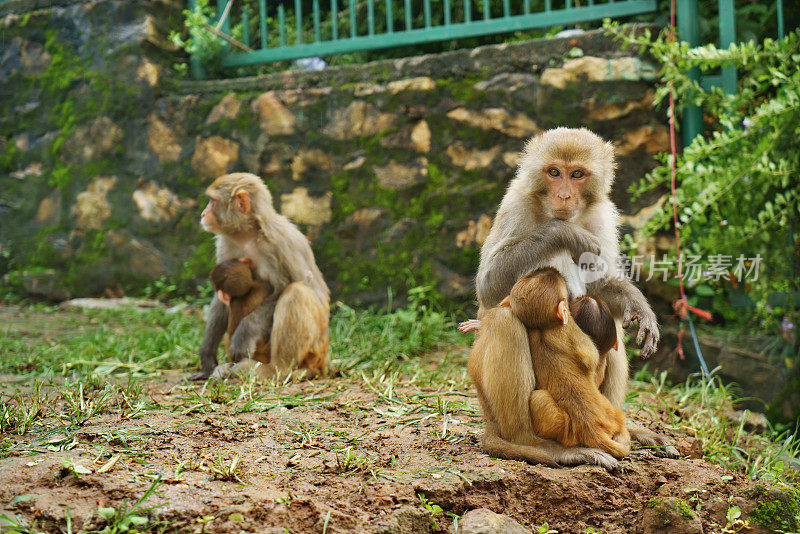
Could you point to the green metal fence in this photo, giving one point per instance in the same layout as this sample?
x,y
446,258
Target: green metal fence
x,y
340,26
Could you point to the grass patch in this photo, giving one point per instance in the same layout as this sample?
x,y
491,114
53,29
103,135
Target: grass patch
x,y
697,408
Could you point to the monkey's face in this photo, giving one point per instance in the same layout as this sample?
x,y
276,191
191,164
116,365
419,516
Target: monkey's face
x,y
569,170
208,219
566,188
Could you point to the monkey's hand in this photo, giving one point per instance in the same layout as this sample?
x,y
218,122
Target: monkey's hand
x,y
571,237
469,326
251,329
648,335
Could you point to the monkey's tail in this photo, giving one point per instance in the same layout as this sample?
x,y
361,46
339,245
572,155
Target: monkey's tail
x,y
298,323
496,446
617,450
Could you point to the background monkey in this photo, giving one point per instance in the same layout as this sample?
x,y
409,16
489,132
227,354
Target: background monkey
x,y
240,213
242,293
569,407
557,203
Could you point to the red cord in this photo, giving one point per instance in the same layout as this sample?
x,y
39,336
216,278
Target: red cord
x,y
681,306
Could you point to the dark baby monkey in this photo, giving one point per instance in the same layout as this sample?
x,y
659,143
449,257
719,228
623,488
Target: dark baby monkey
x,y
569,406
595,318
239,288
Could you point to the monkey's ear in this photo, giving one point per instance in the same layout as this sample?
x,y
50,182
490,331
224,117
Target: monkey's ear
x,y
616,345
249,263
242,201
562,312
506,302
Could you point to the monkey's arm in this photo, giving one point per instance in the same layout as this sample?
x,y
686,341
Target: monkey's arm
x,y
519,255
216,325
254,326
626,301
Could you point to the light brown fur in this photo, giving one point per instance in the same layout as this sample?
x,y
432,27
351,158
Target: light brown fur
x,y
542,217
240,213
569,405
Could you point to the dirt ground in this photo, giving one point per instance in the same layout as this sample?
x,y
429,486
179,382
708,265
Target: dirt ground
x,y
334,455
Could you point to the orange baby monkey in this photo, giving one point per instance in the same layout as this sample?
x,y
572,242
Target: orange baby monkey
x,y
568,405
237,287
594,317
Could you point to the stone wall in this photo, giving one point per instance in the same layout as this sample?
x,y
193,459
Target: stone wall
x,y
392,169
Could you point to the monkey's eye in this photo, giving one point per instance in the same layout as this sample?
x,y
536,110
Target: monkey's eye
x,y
552,171
577,174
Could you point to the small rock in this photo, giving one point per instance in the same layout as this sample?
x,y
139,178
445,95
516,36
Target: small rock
x,y
670,515
227,108
162,139
416,137
34,169
304,209
358,119
91,207
597,69
518,125
158,204
614,110
470,159
214,156
484,521
49,208
274,117
355,164
310,162
398,176
149,73
423,83
654,138
507,82
92,141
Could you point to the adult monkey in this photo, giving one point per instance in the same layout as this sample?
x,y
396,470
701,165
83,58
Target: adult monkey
x,y
558,203
241,215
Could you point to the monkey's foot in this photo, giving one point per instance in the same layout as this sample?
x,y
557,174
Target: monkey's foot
x,y
660,445
586,455
199,375
222,371
469,326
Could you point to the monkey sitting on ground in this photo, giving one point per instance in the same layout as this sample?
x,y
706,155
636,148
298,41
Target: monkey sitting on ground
x,y
558,203
568,403
295,319
240,289
594,317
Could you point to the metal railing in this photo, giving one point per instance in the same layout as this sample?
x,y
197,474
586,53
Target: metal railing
x,y
348,26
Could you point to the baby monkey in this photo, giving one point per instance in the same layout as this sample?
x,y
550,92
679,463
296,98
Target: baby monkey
x,y
238,287
567,403
594,317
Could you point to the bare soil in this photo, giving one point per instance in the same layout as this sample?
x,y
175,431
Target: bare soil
x,y
333,455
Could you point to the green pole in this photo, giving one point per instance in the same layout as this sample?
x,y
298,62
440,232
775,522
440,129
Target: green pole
x,y
689,31
727,36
